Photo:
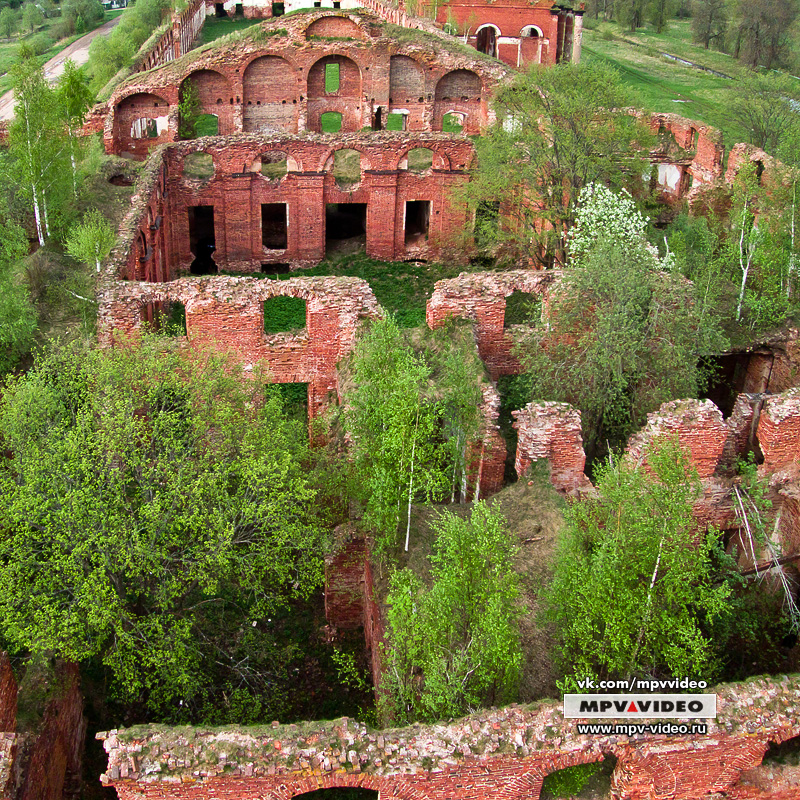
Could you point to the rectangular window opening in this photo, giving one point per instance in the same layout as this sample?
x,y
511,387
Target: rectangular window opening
x,y
278,9
273,226
295,399
168,319
283,314
418,216
396,122
522,308
331,77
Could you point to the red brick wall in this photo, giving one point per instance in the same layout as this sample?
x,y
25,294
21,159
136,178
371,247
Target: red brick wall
x,y
8,696
496,753
481,297
551,431
54,769
698,426
779,431
344,584
223,73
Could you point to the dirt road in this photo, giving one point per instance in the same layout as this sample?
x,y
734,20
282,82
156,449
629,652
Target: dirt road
x,y
78,51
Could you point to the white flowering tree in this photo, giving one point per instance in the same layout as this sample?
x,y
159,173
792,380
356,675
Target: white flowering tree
x,y
624,333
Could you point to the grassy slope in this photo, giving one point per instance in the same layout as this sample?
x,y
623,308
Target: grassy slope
x,y
221,26
667,86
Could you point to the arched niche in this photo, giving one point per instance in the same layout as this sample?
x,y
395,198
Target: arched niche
x,y
269,99
346,166
486,38
141,116
334,86
460,84
215,96
349,83
334,27
532,31
406,80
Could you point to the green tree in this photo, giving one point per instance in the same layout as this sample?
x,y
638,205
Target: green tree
x,y
625,331
660,12
32,17
91,240
9,22
37,144
390,425
156,513
461,633
189,109
17,314
632,584
764,105
709,22
74,98
558,129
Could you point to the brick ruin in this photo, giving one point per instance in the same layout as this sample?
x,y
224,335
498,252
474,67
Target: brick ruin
x,y
312,70
42,760
503,753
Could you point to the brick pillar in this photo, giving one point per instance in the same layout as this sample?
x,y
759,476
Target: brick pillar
x,y
233,232
385,239
308,238
577,37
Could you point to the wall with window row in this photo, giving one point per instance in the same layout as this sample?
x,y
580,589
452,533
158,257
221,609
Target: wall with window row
x,y
323,72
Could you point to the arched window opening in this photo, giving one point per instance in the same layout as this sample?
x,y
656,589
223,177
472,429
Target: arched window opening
x,y
330,122
486,41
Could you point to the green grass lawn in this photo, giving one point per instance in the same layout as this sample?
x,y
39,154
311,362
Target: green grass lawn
x,y
401,288
667,86
221,26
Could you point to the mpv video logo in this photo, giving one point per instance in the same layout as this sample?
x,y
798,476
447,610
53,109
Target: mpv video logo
x,y
640,706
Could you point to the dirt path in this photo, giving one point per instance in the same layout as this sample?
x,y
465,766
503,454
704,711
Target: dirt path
x,y
78,51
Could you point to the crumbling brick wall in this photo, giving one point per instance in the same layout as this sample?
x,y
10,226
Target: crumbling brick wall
x,y
779,431
344,581
156,237
231,90
698,427
8,696
494,753
551,431
228,313
481,297
690,155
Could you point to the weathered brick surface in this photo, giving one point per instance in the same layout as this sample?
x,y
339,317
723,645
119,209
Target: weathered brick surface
x,y
344,583
155,243
228,313
230,80
481,297
551,431
779,431
501,753
690,155
54,769
742,425
699,427
43,764
8,696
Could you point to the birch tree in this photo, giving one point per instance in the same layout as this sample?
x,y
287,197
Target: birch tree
x,y
37,143
633,581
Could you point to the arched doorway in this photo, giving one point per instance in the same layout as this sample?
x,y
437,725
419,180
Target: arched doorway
x,y
486,40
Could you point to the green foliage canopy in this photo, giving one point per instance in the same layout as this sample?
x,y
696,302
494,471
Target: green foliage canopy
x,y
152,500
633,583
558,129
461,633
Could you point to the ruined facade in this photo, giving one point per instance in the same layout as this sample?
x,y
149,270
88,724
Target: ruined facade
x,y
311,72
517,32
42,761
503,753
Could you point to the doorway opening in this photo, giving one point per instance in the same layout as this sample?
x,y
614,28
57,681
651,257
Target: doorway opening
x,y
345,228
486,41
273,226
201,240
418,217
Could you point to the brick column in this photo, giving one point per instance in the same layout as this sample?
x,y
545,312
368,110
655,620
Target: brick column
x,y
384,218
308,236
577,37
